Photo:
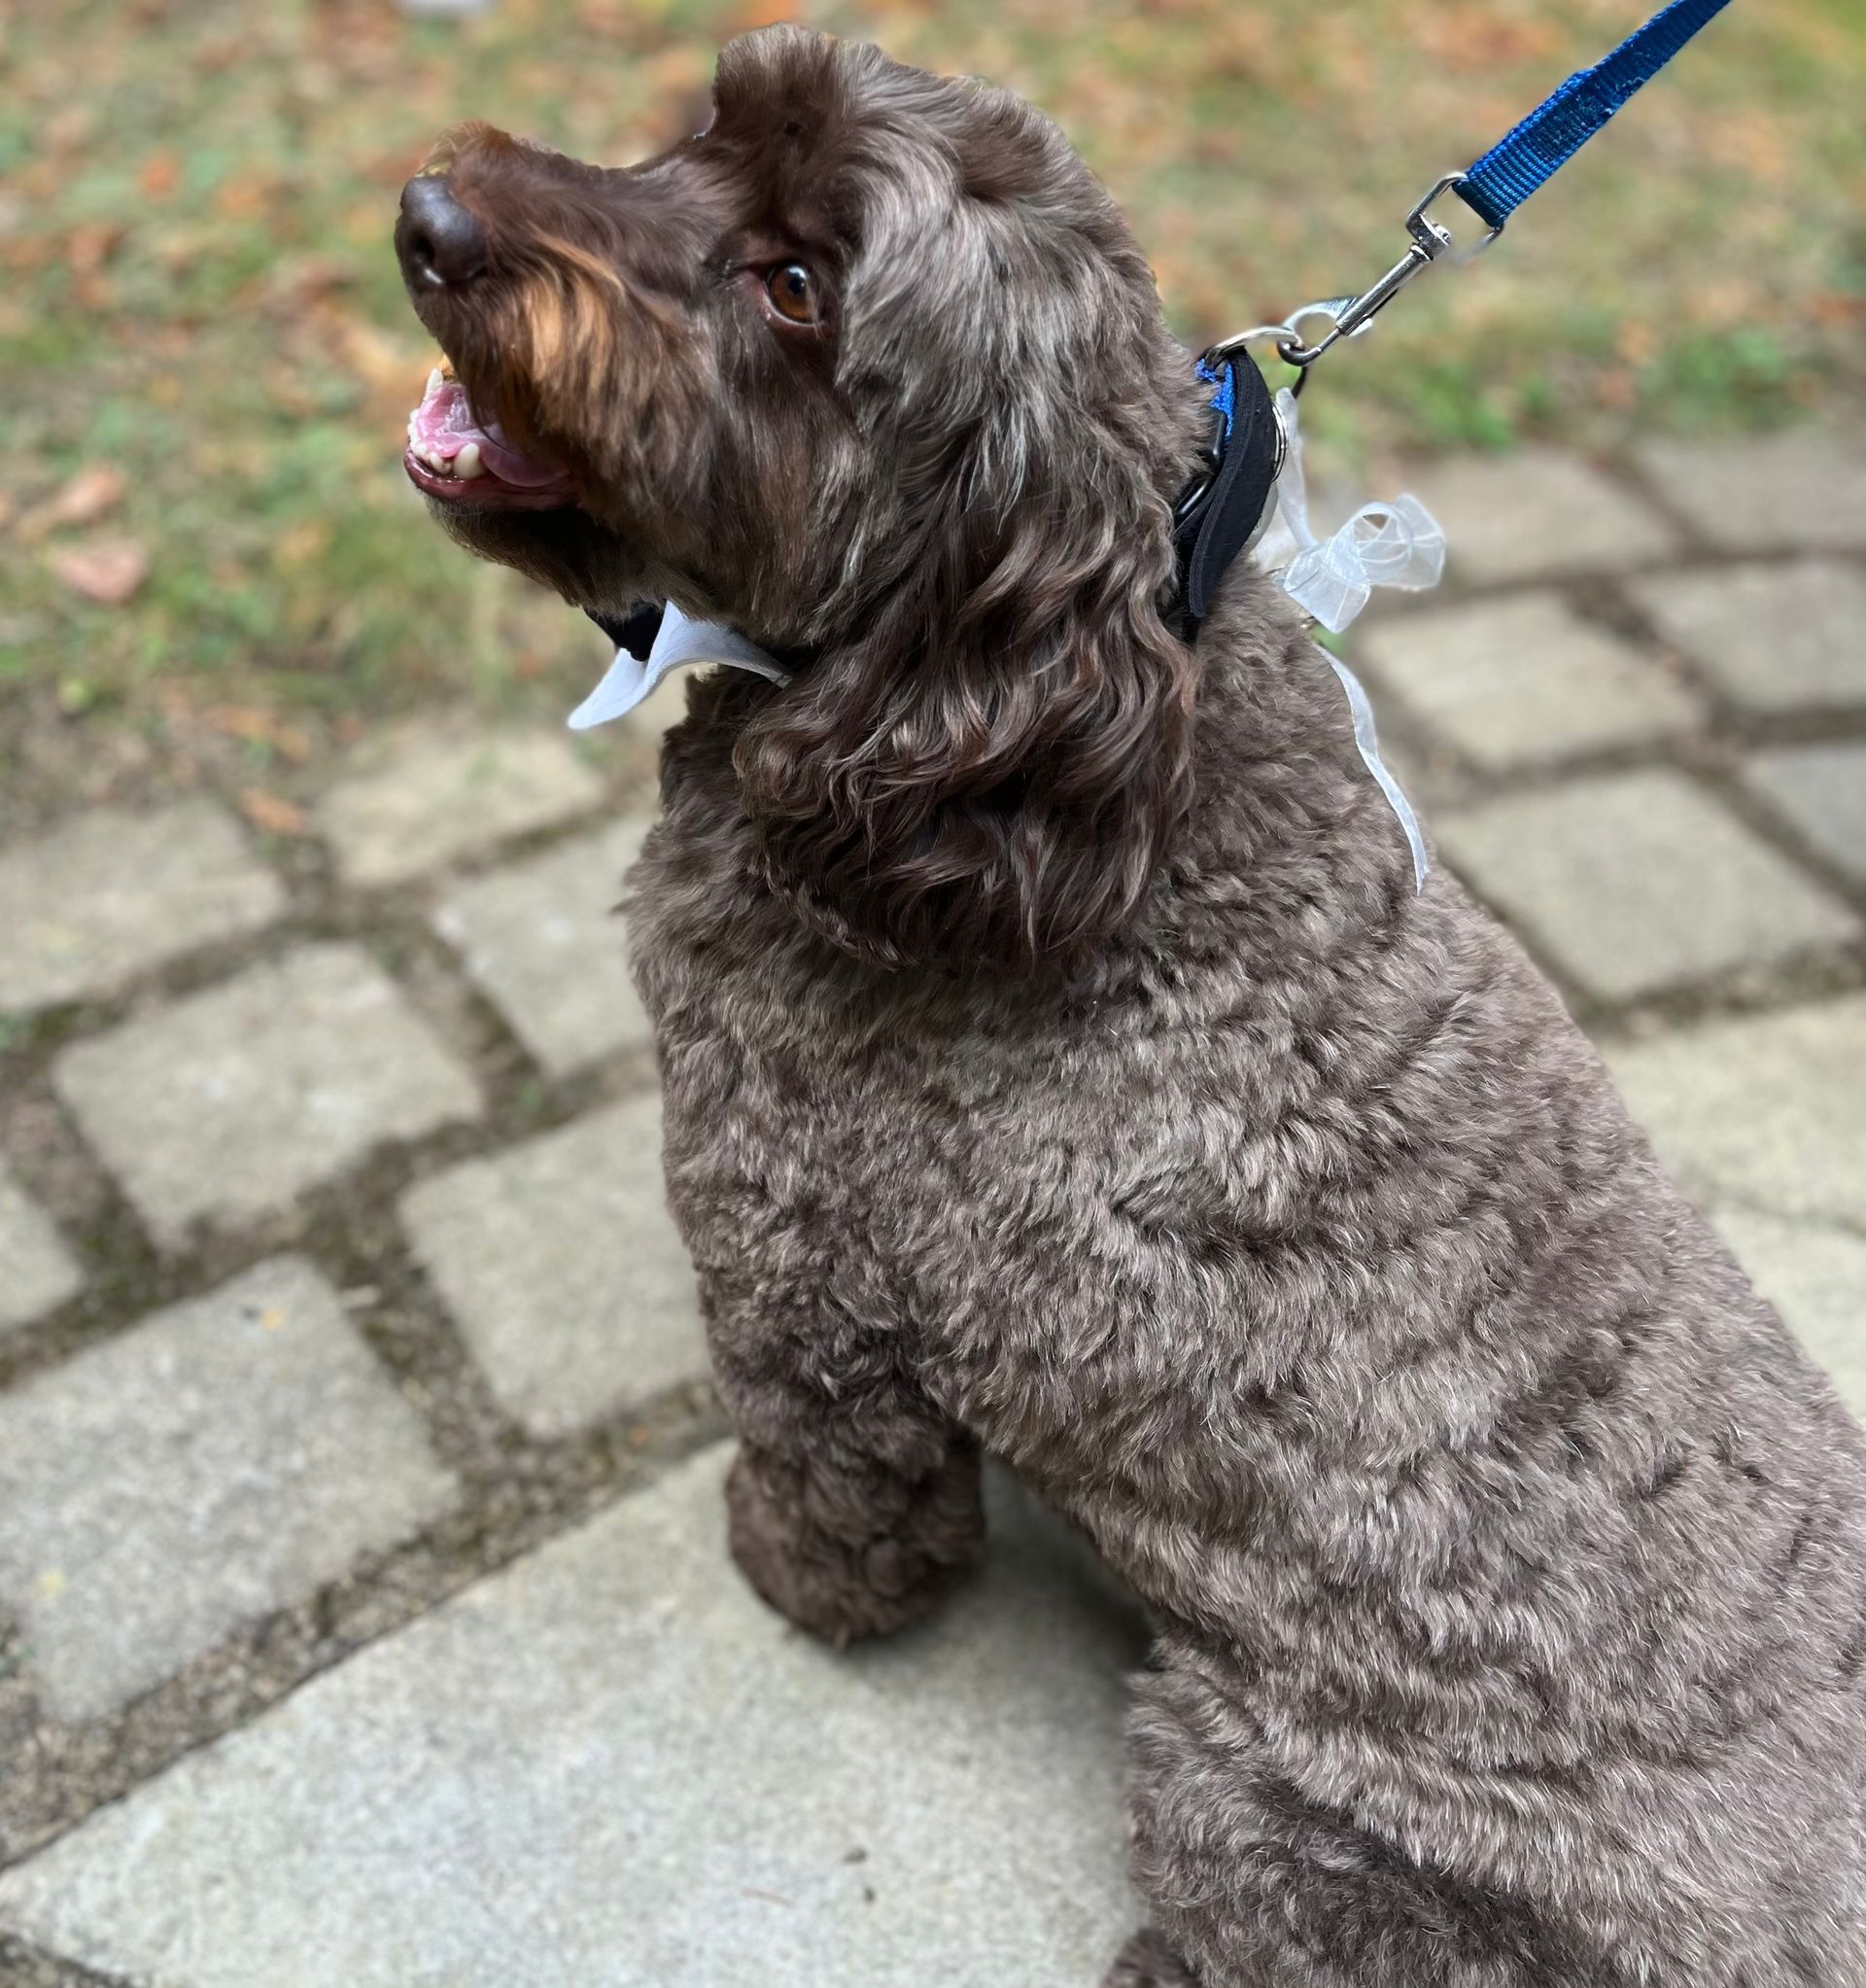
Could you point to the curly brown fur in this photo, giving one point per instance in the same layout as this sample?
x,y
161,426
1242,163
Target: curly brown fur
x,y
1060,1063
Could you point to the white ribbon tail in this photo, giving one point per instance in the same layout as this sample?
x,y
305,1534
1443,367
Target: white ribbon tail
x,y
679,642
1366,741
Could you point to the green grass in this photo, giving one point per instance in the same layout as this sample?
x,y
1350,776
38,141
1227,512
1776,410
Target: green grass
x,y
195,282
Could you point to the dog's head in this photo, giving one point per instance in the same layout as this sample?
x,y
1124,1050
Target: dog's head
x,y
871,369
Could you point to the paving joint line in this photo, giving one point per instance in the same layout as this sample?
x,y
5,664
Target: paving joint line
x,y
25,1966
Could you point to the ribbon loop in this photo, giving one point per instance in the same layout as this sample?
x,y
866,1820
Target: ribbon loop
x,y
1384,545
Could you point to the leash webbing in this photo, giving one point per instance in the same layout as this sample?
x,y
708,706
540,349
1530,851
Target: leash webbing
x,y
1496,185
1557,129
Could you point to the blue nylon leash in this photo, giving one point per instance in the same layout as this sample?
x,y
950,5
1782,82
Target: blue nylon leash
x,y
1557,129
1496,185
1493,189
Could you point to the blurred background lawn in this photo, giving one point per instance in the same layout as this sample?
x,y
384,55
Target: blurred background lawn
x,y
206,541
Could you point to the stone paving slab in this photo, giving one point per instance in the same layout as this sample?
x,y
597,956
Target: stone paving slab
x,y
36,1268
214,1462
1537,514
543,941
1822,790
1806,486
1816,1276
231,1103
609,1764
1773,638
563,1268
1769,1111
112,893
1638,881
1512,681
410,804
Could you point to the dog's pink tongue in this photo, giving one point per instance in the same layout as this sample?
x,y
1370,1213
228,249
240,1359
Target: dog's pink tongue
x,y
443,425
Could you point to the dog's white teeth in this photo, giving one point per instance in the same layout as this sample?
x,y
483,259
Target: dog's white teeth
x,y
435,382
467,464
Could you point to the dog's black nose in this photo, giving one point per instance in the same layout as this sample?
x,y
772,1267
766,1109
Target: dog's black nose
x,y
439,242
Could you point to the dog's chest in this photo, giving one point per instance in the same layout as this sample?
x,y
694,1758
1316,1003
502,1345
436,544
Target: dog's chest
x,y
813,1111
1021,1192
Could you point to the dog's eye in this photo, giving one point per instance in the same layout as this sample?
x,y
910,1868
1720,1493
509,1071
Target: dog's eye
x,y
792,291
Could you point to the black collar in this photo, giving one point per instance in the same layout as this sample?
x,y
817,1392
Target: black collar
x,y
1218,513
634,631
1215,516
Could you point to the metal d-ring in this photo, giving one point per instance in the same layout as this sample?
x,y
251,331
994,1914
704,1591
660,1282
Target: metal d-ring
x,y
1285,338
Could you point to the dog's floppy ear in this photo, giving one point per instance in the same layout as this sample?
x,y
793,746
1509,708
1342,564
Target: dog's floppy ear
x,y
987,773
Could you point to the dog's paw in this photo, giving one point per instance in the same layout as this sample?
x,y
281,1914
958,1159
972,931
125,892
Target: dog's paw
x,y
838,1591
1147,1961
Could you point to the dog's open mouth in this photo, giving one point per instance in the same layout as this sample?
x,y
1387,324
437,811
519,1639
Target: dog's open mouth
x,y
451,456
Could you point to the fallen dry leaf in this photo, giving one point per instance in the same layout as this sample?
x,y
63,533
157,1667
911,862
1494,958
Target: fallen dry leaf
x,y
765,14
257,726
1836,307
247,197
298,282
159,174
87,250
272,814
67,130
86,496
28,252
89,247
109,571
298,545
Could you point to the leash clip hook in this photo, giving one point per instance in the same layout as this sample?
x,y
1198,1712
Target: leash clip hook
x,y
1349,316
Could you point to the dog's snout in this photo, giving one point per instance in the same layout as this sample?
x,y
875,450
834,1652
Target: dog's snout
x,y
440,243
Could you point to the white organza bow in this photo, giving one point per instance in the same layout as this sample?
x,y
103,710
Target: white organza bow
x,y
1396,544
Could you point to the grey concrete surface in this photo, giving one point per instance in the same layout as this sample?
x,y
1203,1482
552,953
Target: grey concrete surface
x,y
1772,638
231,1103
36,1271
1814,1275
1537,515
115,893
221,1457
1767,1110
544,942
412,803
1514,681
611,1764
1805,486
1636,882
1821,790
563,1269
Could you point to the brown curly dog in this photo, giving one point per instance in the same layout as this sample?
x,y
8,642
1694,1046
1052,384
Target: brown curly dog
x,y
1060,1063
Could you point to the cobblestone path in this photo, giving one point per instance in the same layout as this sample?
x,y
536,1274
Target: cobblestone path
x,y
365,1619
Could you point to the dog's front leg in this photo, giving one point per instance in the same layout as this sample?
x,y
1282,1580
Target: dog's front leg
x,y
853,1503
